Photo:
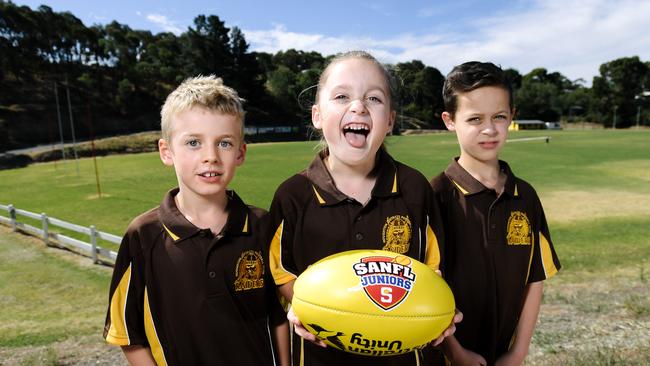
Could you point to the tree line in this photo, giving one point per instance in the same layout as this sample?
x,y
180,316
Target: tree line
x,y
110,79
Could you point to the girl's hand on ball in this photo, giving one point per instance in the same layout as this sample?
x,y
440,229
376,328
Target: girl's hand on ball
x,y
301,331
450,330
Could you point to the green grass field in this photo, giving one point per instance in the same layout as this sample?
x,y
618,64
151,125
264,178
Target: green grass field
x,y
594,185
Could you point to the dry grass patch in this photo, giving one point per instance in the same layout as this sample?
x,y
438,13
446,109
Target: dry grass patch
x,y
90,350
627,169
617,189
601,319
569,205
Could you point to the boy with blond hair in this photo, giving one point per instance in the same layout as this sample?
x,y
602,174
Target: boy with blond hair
x,y
498,246
191,284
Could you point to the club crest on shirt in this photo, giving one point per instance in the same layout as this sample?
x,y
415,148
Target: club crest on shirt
x,y
249,272
396,234
387,281
519,232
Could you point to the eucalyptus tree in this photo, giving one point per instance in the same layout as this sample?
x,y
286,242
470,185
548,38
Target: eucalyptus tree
x,y
616,90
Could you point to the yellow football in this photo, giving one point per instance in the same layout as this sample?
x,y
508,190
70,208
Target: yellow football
x,y
373,302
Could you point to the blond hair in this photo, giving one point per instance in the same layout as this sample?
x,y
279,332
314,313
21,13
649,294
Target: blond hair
x,y
203,91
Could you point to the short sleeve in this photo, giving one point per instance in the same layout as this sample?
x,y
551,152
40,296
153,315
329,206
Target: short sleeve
x,y
277,314
282,228
434,232
545,263
274,305
124,319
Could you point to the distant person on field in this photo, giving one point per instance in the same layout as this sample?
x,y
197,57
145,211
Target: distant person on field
x,y
191,284
353,195
498,248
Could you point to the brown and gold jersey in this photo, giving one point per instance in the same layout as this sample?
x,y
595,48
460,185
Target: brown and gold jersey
x,y
193,297
311,219
494,246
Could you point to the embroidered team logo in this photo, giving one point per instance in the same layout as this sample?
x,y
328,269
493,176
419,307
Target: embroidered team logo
x,y
396,234
387,281
519,229
249,271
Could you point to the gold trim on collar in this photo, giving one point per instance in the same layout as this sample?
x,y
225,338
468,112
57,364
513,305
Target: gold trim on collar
x,y
516,191
320,199
245,229
174,236
460,188
394,190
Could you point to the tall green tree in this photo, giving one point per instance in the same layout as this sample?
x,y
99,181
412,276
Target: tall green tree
x,y
290,78
536,100
542,95
281,84
207,48
419,96
247,77
579,105
298,61
615,89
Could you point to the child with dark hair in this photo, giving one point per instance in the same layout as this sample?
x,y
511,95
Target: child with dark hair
x,y
498,248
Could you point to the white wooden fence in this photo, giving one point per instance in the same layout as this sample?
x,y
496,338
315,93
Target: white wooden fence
x,y
86,248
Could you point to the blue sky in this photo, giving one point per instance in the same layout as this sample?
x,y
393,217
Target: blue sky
x,y
573,37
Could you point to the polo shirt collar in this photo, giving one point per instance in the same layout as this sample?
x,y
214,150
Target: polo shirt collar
x,y
387,181
179,228
467,184
325,189
510,186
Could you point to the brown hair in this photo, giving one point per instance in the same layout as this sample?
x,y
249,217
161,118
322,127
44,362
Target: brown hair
x,y
390,81
470,76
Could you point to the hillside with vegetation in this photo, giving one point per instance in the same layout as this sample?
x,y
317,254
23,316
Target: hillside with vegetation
x,y
110,79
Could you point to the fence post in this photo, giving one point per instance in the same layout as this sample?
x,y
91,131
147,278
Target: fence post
x,y
45,222
12,216
93,243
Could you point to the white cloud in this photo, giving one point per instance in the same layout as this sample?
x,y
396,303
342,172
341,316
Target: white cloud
x,y
165,23
280,39
573,37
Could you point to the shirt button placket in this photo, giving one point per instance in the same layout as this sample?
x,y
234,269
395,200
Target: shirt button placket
x,y
490,222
